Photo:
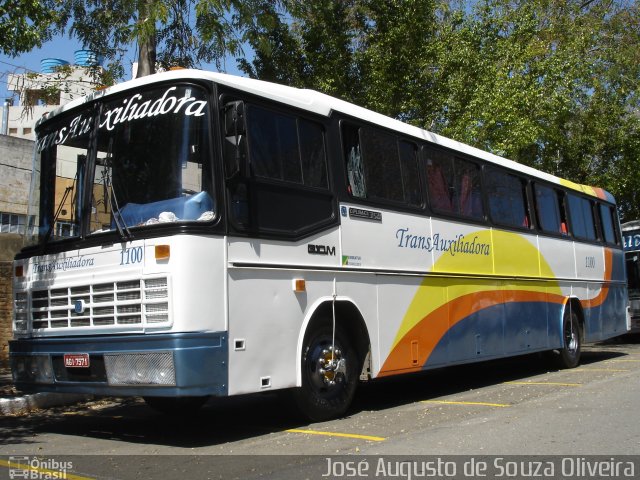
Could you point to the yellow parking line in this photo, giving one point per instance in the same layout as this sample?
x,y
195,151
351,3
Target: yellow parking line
x,y
624,361
44,472
577,370
546,383
448,402
336,434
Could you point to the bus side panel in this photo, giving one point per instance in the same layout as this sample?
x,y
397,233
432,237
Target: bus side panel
x,y
559,257
526,322
454,320
604,302
267,320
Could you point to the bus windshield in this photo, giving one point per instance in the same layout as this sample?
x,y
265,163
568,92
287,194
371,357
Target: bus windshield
x,y
132,162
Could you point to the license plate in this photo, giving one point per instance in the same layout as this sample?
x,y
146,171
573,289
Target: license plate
x,y
76,360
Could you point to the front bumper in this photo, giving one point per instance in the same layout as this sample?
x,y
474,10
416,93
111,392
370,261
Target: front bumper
x,y
168,365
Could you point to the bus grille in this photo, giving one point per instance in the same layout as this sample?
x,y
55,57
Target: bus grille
x,y
126,303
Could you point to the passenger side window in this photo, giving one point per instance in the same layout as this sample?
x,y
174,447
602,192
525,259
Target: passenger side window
x,y
507,199
383,175
454,185
581,216
410,173
312,154
380,166
607,216
284,148
548,206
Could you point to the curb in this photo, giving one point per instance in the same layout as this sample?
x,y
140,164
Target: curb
x,y
35,401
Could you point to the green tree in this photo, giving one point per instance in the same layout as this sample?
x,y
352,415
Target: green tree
x,y
25,24
549,83
167,32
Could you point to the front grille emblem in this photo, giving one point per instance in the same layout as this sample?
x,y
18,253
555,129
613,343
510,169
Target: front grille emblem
x,y
78,306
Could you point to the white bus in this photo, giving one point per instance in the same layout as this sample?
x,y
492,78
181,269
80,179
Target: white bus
x,y
631,242
198,234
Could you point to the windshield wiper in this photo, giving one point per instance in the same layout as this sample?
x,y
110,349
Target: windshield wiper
x,y
121,225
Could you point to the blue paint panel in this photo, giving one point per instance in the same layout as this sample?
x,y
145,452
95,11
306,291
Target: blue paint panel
x,y
201,361
611,314
478,336
501,330
618,267
526,326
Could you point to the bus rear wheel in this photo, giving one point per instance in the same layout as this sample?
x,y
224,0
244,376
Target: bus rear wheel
x,y
329,374
569,355
176,406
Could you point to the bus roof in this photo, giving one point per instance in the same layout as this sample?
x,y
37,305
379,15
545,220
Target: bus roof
x,y
322,104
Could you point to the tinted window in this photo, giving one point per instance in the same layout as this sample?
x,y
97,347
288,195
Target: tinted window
x,y
548,207
284,148
507,199
608,226
273,145
581,215
383,175
380,166
454,185
312,154
410,174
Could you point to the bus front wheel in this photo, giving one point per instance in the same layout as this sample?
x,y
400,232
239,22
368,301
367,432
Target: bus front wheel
x,y
329,374
569,355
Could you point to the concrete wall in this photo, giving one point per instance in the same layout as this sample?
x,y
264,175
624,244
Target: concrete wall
x,y
5,310
10,244
16,162
16,159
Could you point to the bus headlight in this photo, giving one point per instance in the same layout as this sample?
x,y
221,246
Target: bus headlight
x,y
32,369
155,368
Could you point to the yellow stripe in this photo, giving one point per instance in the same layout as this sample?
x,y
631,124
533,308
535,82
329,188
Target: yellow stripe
x,y
624,361
546,383
335,434
44,471
447,402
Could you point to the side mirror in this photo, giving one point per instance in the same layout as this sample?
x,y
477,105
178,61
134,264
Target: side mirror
x,y
235,138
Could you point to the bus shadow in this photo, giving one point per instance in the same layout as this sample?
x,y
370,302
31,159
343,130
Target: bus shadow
x,y
234,419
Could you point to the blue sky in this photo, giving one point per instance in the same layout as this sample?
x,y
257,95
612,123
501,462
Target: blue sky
x,y
60,47
64,48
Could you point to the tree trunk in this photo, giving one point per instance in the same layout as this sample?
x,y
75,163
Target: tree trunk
x,y
146,57
146,43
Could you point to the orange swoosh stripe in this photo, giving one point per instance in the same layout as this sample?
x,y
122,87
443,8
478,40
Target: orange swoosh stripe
x,y
434,326
604,291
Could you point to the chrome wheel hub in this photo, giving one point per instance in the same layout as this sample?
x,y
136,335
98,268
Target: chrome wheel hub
x,y
331,366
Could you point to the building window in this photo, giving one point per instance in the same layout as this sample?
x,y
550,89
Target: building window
x,y
13,223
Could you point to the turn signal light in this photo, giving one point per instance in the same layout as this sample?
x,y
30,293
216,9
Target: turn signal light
x,y
163,252
299,285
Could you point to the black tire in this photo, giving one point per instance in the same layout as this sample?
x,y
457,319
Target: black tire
x,y
569,354
326,392
176,406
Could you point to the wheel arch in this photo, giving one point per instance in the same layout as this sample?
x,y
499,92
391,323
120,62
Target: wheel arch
x,y
572,303
348,316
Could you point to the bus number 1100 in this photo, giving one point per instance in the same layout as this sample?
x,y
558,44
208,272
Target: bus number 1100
x,y
129,256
